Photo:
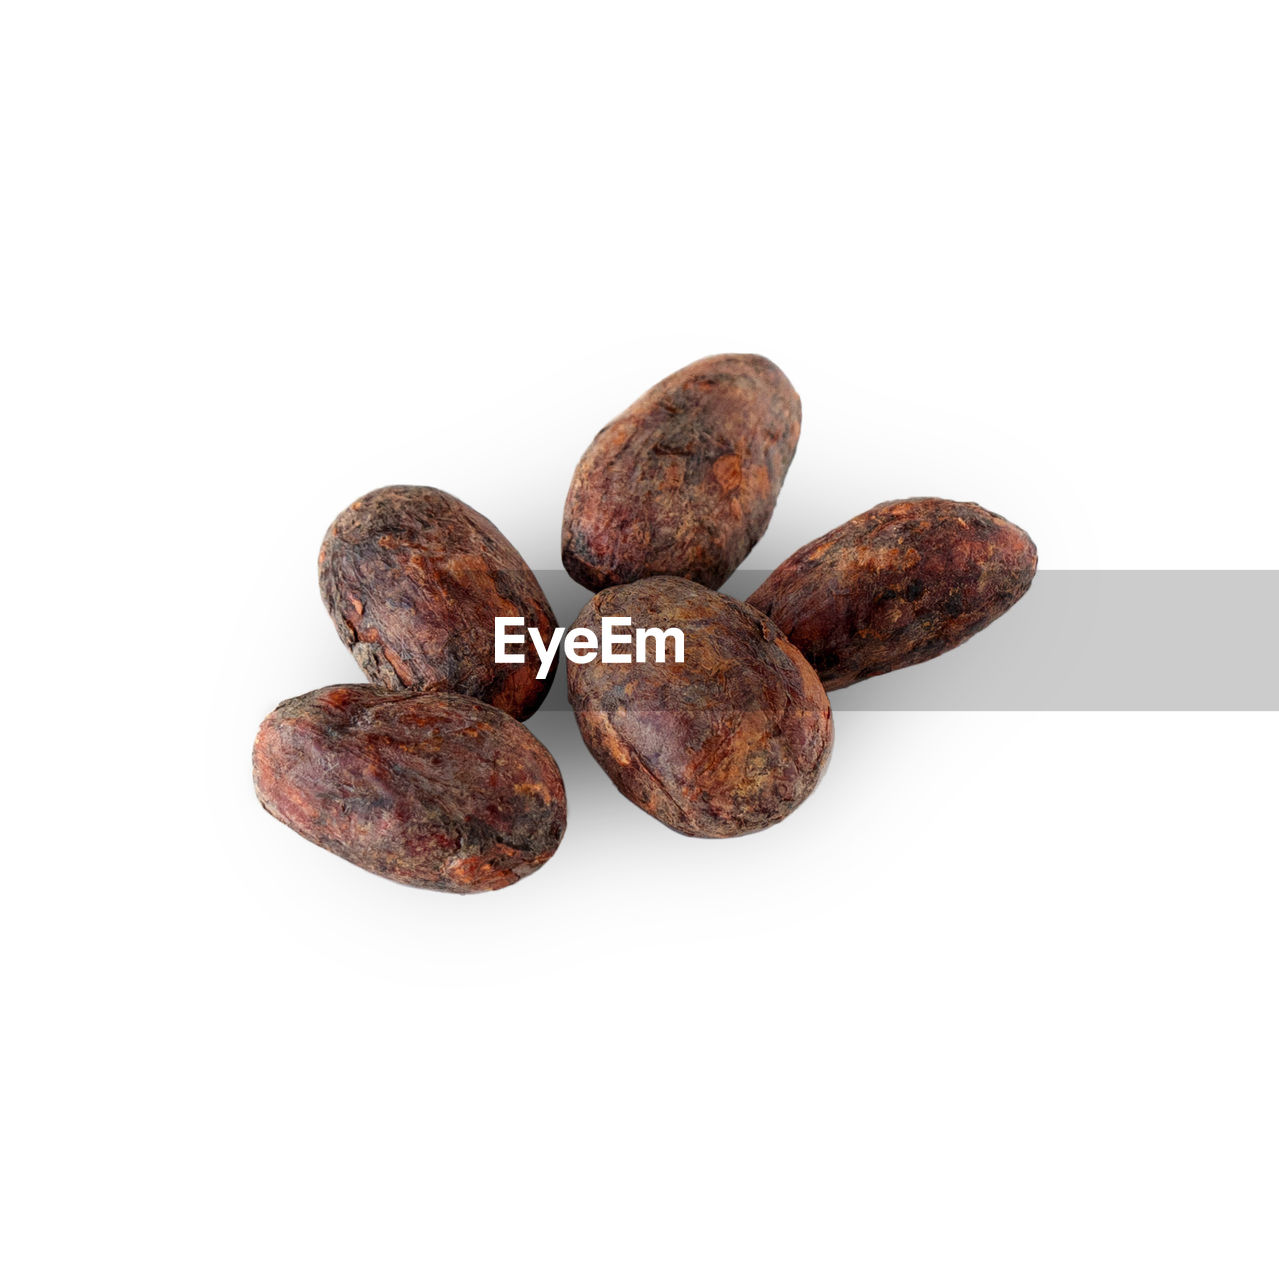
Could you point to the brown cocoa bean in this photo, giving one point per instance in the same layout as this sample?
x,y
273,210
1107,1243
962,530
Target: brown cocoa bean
x,y
413,579
684,482
434,790
899,584
728,742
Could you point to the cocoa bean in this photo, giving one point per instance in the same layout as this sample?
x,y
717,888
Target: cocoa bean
x,y
413,579
434,790
728,742
684,482
899,584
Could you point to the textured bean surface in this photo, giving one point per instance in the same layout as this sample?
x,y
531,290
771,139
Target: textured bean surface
x,y
728,742
413,578
434,790
684,482
901,583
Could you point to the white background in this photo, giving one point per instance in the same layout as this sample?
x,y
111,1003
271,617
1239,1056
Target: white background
x,y
998,1001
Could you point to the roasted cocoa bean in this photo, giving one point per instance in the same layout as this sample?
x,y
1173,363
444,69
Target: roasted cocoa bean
x,y
684,482
899,584
434,790
729,741
413,579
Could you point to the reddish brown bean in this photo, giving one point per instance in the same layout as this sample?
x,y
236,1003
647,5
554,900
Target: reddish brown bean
x,y
899,584
413,579
434,790
685,481
728,742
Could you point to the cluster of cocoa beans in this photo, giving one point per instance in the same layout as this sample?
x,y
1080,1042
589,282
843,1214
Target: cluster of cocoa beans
x,y
426,776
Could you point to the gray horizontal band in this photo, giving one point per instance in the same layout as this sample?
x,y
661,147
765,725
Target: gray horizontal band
x,y
1080,640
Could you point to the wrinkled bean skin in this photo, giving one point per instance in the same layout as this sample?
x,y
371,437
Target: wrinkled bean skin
x,y
413,578
730,741
899,584
685,481
433,790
